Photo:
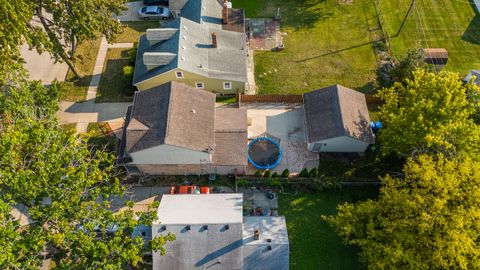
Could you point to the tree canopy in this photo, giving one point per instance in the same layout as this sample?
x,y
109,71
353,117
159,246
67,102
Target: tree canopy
x,y
431,113
428,219
55,26
67,186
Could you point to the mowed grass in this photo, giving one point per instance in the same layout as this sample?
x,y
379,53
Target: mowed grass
x,y
326,43
313,243
114,87
454,25
133,30
87,55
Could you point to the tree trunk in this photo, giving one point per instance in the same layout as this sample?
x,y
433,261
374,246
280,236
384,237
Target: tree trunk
x,y
53,38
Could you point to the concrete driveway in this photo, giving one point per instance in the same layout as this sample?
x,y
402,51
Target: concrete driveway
x,y
41,67
71,112
131,13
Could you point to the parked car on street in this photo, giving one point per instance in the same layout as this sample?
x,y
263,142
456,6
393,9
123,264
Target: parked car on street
x,y
155,2
154,12
189,190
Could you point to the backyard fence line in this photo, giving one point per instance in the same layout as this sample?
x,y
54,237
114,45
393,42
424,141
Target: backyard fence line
x,y
242,98
252,180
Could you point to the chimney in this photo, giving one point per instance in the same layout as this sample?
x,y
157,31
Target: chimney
x,y
256,235
225,12
214,40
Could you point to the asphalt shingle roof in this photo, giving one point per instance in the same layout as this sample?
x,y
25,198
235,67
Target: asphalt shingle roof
x,y
336,111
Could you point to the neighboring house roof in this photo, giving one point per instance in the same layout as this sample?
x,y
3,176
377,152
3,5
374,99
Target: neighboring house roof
x,y
189,45
173,114
472,73
205,209
336,111
180,115
273,228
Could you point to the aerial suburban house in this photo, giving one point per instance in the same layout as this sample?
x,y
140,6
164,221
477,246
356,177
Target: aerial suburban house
x,y
212,233
175,129
204,47
337,120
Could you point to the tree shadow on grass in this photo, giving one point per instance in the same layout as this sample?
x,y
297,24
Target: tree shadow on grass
x,y
472,33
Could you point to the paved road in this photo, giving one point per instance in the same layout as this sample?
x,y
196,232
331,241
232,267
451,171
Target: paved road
x,y
42,67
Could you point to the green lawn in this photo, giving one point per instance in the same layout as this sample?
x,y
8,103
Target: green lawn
x,y
76,88
326,43
324,39
133,30
114,87
313,243
453,25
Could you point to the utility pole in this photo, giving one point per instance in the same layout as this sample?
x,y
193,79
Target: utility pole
x,y
405,19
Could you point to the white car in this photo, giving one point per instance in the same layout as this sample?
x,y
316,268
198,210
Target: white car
x,y
154,12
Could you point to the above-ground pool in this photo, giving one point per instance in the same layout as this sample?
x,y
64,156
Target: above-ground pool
x,y
264,153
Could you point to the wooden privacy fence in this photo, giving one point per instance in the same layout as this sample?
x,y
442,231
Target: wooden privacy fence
x,y
269,98
242,98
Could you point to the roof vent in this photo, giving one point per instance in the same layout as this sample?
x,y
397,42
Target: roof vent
x,y
184,37
269,240
163,228
256,234
269,247
188,227
227,227
193,111
205,227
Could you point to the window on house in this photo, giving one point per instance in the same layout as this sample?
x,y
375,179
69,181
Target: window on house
x,y
227,85
200,85
179,74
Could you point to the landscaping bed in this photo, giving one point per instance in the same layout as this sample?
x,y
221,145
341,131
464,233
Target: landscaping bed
x,y
101,136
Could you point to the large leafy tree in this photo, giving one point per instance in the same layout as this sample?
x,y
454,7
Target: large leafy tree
x,y
429,219
56,26
66,185
431,113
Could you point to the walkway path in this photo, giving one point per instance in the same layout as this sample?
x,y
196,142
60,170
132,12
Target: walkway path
x,y
83,113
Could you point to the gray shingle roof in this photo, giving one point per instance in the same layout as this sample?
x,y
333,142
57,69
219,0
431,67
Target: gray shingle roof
x,y
192,44
173,114
336,111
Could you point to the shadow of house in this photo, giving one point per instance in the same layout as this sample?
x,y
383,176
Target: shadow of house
x,y
472,33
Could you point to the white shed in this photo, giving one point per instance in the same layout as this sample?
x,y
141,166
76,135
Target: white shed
x,y
337,120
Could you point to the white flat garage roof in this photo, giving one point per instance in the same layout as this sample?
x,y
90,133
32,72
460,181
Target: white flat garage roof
x,y
201,209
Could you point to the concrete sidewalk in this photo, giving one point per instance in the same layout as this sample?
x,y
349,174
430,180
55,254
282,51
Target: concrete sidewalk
x,y
83,113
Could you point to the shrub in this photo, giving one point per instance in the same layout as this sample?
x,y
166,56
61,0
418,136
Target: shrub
x,y
258,174
242,182
275,174
128,72
273,182
267,174
285,173
304,172
313,172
